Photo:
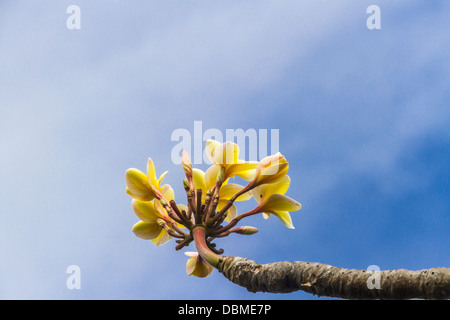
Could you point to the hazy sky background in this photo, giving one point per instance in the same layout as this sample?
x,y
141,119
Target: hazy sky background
x,y
363,117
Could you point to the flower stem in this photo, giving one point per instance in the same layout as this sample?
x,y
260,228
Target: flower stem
x,y
236,220
228,205
199,234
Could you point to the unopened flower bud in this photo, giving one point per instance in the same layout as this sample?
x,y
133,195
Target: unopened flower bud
x,y
187,164
245,230
208,195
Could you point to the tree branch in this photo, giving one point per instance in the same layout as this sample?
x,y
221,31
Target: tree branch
x,y
325,280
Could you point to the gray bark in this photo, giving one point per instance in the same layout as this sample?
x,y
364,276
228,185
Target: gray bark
x,y
325,280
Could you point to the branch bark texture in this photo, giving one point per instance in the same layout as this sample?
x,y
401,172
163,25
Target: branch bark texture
x,y
325,280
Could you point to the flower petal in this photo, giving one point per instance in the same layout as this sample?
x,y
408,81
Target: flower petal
x,y
198,176
198,267
161,178
190,265
145,210
211,146
256,192
140,198
273,173
137,183
162,238
229,190
167,192
279,202
231,213
271,169
211,176
279,187
245,170
146,230
227,154
284,217
151,173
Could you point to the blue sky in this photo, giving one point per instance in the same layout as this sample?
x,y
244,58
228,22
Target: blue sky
x,y
363,117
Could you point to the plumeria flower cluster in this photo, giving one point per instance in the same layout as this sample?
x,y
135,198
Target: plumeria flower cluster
x,y
210,211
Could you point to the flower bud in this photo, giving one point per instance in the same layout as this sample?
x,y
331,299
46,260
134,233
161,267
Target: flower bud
x,y
245,230
186,163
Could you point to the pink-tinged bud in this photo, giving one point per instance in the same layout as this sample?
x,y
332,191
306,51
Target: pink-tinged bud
x,y
186,163
245,230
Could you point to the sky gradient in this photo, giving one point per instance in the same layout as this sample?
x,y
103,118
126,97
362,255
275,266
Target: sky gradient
x,y
363,119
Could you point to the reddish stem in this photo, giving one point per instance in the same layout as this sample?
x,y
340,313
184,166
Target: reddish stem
x,y
199,234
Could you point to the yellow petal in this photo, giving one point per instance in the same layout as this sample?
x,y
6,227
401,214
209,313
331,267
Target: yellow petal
x,y
145,210
229,190
211,146
231,213
198,176
151,173
146,230
191,254
190,265
161,178
167,192
140,198
138,185
162,238
271,169
284,217
245,170
279,187
227,154
278,202
198,267
211,176
256,192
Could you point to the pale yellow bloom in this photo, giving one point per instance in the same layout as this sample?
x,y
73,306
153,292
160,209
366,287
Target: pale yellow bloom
x,y
270,169
197,266
227,155
152,216
272,200
141,186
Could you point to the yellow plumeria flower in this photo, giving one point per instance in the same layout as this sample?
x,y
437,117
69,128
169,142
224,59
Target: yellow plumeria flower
x,y
153,216
226,191
197,266
270,169
272,200
141,186
226,155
